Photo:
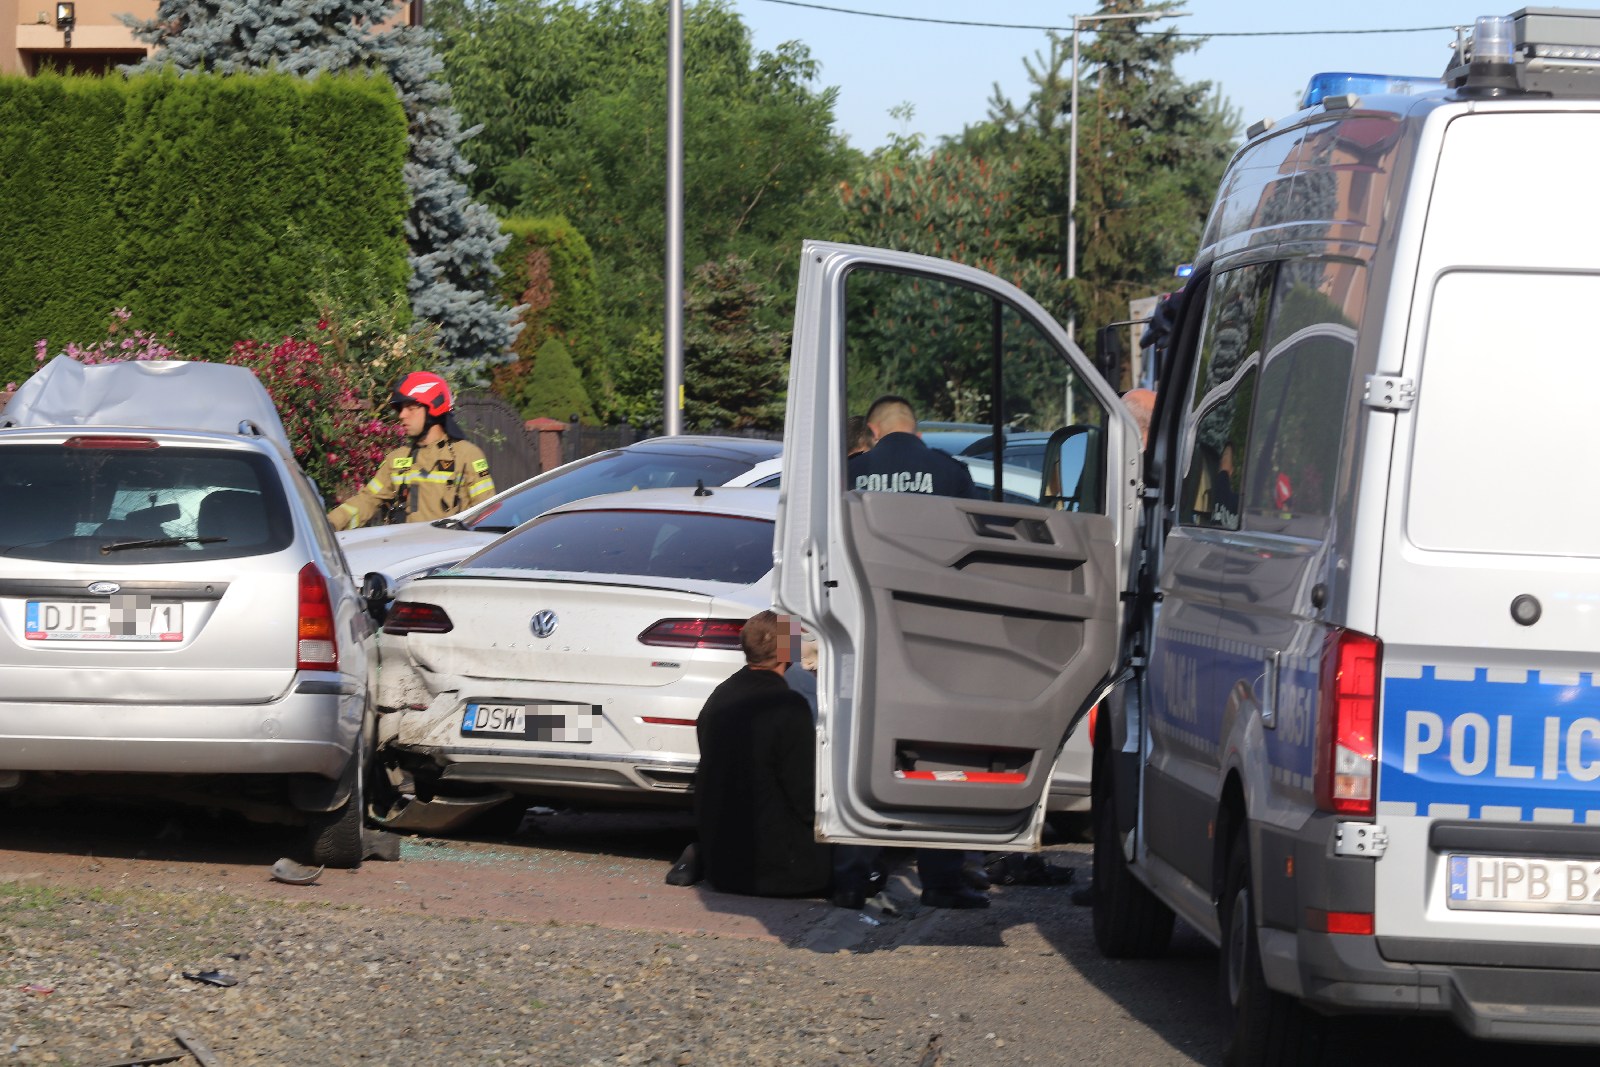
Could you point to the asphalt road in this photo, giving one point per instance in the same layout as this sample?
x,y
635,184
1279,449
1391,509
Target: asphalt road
x,y
1020,982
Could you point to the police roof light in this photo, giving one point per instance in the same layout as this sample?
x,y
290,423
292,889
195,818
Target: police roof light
x,y
1344,83
1183,270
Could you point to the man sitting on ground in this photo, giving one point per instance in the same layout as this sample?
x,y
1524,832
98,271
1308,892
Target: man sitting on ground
x,y
754,790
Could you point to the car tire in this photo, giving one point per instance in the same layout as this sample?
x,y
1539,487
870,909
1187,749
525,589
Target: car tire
x,y
1129,922
1267,1027
336,837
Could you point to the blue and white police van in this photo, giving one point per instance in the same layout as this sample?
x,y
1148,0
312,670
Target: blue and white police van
x,y
1341,621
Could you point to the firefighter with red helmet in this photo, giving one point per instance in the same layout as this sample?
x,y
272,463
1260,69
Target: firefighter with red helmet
x,y
436,473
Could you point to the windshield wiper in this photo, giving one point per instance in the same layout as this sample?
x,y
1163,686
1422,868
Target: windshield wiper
x,y
448,523
493,529
158,542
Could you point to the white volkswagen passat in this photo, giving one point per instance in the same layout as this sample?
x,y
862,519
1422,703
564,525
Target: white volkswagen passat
x,y
570,658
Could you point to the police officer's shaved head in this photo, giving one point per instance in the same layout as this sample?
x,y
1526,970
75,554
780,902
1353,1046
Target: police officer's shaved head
x,y
891,414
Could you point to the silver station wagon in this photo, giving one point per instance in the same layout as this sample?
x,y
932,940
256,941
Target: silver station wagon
x,y
176,619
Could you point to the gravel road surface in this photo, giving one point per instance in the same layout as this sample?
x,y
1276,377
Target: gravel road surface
x,y
560,946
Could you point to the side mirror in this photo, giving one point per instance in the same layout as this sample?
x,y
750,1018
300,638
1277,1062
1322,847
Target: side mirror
x,y
1071,477
375,594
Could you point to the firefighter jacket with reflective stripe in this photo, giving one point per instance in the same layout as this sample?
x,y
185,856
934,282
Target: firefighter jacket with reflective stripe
x,y
433,481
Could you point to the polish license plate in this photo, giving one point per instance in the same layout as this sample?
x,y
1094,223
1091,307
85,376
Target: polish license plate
x,y
568,723
118,618
1524,883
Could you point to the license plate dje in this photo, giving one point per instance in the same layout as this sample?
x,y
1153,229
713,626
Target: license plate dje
x,y
572,723
119,618
1524,883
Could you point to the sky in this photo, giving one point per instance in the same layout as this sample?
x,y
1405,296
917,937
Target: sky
x,y
948,73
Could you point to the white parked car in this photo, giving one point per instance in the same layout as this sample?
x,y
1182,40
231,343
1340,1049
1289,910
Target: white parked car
x,y
570,658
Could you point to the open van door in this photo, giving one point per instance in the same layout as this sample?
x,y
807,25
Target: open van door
x,y
961,638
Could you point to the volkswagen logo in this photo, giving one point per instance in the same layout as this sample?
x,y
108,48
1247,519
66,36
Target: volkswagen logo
x,y
544,623
103,588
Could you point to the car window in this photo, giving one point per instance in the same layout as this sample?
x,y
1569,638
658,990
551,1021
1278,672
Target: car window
x,y
609,472
144,504
662,544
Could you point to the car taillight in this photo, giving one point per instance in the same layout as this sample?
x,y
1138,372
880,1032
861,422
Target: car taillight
x,y
694,633
411,617
140,443
317,647
1347,769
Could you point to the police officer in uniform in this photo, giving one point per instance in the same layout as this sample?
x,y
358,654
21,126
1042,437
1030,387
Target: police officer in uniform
x,y
899,462
436,473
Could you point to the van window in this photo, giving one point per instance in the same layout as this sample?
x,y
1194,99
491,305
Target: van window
x,y
1504,417
967,359
1299,419
1220,402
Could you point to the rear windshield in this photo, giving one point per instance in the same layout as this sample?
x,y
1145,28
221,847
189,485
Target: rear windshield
x,y
138,505
661,544
610,472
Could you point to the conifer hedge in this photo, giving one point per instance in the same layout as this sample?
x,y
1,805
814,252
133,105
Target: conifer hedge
x,y
210,206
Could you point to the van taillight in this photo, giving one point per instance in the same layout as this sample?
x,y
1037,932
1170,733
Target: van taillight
x,y
317,648
1347,733
411,617
694,633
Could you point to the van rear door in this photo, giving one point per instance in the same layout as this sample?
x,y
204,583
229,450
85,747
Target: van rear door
x,y
1489,607
960,637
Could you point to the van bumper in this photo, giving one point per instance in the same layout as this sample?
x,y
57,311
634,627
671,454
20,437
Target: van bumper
x,y
1338,973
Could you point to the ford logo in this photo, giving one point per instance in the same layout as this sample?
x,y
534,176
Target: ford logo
x,y
103,588
544,623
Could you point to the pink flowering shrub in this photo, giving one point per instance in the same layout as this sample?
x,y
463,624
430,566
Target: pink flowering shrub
x,y
119,344
335,434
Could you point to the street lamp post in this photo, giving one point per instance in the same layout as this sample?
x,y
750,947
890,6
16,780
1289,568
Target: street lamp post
x,y
672,335
1072,164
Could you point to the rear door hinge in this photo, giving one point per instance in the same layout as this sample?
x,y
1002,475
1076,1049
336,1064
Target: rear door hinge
x,y
1360,839
1388,392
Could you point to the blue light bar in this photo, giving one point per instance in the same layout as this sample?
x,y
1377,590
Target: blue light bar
x,y
1335,83
1184,270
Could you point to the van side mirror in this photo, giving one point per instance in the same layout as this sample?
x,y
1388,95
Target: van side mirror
x,y
1071,477
375,594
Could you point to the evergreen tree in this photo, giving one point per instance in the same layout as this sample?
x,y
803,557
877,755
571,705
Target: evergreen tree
x,y
453,239
733,363
1151,149
555,389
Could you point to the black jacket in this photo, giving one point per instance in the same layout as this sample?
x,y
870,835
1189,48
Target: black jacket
x,y
753,792
902,463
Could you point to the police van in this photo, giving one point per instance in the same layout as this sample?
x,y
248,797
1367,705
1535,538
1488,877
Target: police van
x,y
1340,624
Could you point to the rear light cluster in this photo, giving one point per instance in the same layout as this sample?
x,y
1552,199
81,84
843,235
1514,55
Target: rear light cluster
x,y
1347,755
694,633
412,617
119,443
317,646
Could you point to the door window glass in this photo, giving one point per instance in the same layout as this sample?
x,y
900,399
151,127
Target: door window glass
x,y
976,371
1301,404
1218,427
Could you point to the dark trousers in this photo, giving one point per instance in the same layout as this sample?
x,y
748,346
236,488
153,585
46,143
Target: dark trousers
x,y
940,868
853,866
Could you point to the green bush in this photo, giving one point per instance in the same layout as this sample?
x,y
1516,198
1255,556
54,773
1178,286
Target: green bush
x,y
554,390
206,204
549,269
